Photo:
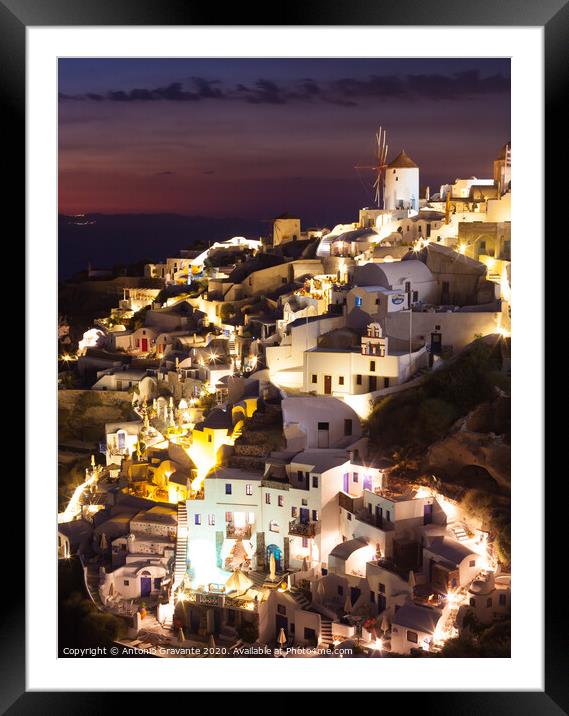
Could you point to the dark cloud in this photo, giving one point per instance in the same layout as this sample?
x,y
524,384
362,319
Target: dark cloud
x,y
262,92
347,91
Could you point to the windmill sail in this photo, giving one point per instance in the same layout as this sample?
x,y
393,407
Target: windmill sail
x,y
380,166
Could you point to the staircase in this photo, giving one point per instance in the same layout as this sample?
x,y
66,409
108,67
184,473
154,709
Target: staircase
x,y
301,598
180,563
325,632
92,584
458,532
325,624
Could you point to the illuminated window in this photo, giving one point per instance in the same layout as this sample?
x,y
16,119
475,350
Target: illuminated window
x,y
358,301
281,501
248,489
211,519
293,511
268,498
197,519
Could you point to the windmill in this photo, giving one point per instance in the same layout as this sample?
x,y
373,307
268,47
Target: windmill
x,y
380,166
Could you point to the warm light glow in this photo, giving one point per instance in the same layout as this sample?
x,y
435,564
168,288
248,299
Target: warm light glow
x,y
462,249
203,569
500,330
505,291
73,506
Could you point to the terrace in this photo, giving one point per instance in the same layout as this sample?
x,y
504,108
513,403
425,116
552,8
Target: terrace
x,y
303,529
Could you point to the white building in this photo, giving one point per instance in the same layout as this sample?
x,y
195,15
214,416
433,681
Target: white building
x,y
121,439
413,627
372,365
411,278
402,184
285,361
450,564
489,598
319,422
140,558
120,379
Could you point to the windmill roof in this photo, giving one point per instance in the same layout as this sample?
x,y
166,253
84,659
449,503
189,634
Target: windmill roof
x,y
402,160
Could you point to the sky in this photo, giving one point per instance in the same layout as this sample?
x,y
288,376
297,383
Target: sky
x,y
255,138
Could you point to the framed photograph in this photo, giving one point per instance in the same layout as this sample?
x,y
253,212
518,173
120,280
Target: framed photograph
x,y
285,371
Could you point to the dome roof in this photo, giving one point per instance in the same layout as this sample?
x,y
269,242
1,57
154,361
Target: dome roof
x,y
402,161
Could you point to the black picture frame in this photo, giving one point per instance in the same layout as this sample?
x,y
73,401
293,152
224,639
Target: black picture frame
x,y
553,16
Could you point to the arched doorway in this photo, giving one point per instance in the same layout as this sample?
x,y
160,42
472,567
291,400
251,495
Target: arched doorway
x,y
277,552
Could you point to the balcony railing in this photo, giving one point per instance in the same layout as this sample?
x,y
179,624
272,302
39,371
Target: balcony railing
x,y
371,518
302,529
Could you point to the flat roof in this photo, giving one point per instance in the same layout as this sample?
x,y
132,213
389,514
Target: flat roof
x,y
233,473
320,461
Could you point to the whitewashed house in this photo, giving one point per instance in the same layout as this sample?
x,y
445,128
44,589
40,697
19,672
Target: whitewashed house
x,y
119,378
375,364
140,558
121,439
319,422
413,627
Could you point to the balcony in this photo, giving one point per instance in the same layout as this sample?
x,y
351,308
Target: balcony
x,y
371,519
233,532
302,529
